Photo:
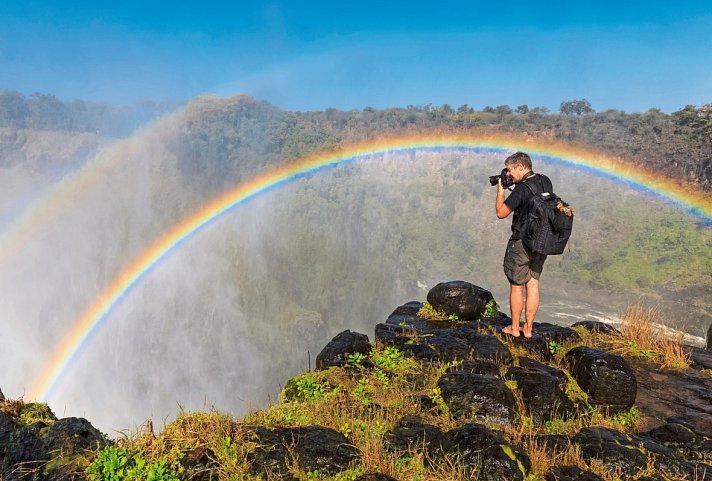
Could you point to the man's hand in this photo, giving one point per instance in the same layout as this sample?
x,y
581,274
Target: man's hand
x,y
501,209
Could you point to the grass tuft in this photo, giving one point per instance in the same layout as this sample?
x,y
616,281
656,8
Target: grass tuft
x,y
645,338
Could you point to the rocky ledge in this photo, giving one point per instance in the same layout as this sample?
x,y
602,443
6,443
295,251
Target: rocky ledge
x,y
491,385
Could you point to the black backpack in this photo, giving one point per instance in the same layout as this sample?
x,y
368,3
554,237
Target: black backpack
x,y
548,228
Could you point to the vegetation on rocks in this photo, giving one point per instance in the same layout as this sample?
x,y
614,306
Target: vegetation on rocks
x,y
381,405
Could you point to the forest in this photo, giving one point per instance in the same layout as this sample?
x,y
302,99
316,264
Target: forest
x,y
679,144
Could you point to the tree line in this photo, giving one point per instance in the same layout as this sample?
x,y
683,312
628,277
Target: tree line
x,y
679,144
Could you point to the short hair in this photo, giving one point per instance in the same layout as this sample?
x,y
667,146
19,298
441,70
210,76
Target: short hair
x,y
519,158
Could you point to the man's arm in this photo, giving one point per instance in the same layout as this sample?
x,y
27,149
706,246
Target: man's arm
x,y
500,207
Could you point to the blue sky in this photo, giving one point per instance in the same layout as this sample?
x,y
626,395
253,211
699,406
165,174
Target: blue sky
x,y
311,55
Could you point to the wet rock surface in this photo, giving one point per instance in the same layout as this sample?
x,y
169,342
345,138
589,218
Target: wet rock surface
x,y
684,397
338,350
598,327
486,455
427,340
412,434
315,447
674,430
542,393
44,451
606,378
463,299
613,448
477,397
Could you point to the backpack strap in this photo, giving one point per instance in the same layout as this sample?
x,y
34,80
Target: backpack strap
x,y
531,187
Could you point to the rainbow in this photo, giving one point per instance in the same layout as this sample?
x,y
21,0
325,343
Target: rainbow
x,y
697,203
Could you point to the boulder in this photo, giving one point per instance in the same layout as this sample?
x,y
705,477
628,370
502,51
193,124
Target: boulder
x,y
463,299
481,366
49,449
606,378
545,337
701,358
477,397
338,350
406,318
486,455
444,344
541,393
412,434
313,447
485,347
613,448
709,338
571,473
598,327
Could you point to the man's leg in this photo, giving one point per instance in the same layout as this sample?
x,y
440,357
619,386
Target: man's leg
x,y
516,304
532,305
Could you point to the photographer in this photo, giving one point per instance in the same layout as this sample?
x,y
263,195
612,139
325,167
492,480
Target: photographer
x,y
521,266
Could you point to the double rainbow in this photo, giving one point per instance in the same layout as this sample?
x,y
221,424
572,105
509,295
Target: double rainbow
x,y
695,202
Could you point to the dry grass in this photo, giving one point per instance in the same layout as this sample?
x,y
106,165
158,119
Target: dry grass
x,y
364,404
644,337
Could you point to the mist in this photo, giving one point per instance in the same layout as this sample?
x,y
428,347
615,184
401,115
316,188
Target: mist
x,y
229,316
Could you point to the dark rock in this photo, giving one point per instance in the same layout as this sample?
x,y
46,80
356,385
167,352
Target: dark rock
x,y
571,473
481,366
411,434
406,318
486,456
200,464
7,425
598,327
613,448
444,344
559,334
375,477
709,338
529,363
49,450
701,358
673,434
485,347
463,299
543,334
315,448
542,394
606,378
699,422
337,351
477,396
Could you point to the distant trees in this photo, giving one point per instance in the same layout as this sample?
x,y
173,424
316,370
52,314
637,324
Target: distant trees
x,y
47,112
576,107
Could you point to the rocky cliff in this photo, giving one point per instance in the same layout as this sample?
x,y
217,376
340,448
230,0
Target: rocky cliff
x,y
442,393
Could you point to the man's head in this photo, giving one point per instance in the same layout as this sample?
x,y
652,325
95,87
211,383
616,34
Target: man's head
x,y
518,165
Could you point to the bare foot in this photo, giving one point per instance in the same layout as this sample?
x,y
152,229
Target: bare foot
x,y
511,331
528,330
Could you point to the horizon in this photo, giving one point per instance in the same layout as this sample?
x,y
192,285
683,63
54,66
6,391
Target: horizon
x,y
304,57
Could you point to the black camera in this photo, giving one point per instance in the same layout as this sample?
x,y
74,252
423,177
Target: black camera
x,y
507,180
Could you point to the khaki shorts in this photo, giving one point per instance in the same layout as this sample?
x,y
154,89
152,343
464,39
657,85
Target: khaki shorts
x,y
521,264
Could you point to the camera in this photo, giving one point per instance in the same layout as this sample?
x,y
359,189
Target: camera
x,y
507,180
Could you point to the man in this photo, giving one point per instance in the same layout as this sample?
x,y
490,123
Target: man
x,y
521,266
